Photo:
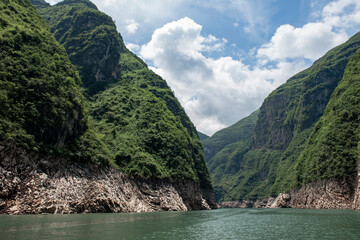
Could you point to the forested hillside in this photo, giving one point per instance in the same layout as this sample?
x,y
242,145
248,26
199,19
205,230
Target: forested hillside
x,y
286,119
132,110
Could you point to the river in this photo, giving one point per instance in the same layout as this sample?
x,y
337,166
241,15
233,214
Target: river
x,y
214,224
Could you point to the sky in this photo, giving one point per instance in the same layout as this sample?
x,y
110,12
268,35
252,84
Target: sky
x,y
222,58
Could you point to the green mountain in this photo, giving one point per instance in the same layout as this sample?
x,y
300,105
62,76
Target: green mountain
x,y
242,130
90,39
333,148
41,102
131,109
285,122
225,150
202,136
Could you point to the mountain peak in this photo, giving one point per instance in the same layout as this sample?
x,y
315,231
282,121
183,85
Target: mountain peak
x,y
69,2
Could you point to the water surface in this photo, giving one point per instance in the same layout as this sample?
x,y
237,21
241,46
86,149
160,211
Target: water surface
x,y
215,224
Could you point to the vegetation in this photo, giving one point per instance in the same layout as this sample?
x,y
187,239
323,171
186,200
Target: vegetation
x,y
242,130
133,113
90,39
333,147
41,105
41,102
224,153
267,162
202,136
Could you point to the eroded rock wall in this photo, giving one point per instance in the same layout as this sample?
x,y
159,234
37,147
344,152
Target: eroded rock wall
x,y
336,193
33,184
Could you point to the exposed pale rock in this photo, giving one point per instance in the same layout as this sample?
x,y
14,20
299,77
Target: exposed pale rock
x,y
35,184
335,193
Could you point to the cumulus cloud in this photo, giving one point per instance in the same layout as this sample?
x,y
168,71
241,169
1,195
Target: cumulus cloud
x,y
217,92
214,92
312,40
133,47
131,26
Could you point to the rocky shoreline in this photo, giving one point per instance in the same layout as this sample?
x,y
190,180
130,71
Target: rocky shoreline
x,y
34,184
335,193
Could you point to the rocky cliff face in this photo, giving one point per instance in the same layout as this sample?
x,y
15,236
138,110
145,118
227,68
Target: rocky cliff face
x,y
31,183
335,193
89,37
300,102
316,110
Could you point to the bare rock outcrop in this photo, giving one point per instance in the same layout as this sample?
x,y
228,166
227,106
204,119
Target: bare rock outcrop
x,y
335,193
31,183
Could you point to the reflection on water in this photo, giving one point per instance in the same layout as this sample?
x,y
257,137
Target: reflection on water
x,y
215,224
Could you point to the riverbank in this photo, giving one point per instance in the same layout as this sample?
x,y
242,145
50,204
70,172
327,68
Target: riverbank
x,y
335,193
31,183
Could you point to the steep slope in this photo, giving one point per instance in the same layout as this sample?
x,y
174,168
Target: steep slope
x,y
90,39
131,108
224,151
242,130
286,120
202,136
333,147
41,103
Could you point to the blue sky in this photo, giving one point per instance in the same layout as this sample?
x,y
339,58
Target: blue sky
x,y
223,57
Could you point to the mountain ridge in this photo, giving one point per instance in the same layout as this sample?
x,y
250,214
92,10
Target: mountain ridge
x,y
286,120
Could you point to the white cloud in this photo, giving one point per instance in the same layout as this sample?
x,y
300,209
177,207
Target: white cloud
x,y
312,40
52,2
214,92
218,92
133,47
132,26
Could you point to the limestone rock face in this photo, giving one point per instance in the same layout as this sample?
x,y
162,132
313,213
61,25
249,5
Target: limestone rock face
x,y
335,193
34,184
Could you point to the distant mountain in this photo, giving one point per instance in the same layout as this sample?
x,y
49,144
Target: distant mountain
x,y
224,150
288,116
202,136
242,130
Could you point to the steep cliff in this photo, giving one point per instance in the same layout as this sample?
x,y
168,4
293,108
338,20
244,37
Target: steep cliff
x,y
90,39
284,125
333,147
137,115
130,140
41,103
33,183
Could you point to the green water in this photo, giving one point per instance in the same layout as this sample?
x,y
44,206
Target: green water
x,y
216,224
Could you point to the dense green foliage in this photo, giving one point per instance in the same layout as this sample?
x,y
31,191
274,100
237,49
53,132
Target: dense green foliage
x,y
224,152
41,105
40,98
145,136
242,130
90,39
300,102
333,147
132,110
285,122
